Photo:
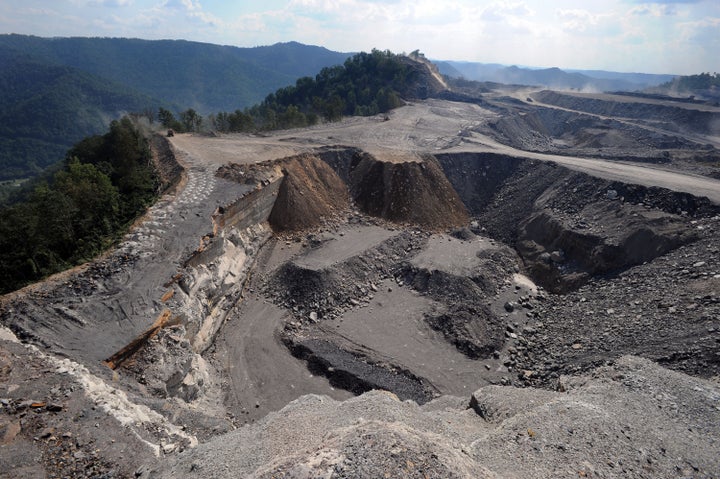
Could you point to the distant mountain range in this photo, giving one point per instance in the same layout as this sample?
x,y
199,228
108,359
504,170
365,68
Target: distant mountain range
x,y
45,108
55,91
555,78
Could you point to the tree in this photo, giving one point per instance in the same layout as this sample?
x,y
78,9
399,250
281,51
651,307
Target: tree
x,y
105,182
97,201
366,84
191,120
166,118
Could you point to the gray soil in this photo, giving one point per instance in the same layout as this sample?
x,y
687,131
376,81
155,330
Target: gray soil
x,y
533,286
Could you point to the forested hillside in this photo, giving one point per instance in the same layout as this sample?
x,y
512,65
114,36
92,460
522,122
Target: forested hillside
x,y
366,84
188,74
56,91
46,108
105,183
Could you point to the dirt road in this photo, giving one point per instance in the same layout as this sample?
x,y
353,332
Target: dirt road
x,y
427,127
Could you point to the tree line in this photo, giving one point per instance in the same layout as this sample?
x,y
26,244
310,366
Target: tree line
x,y
366,84
106,181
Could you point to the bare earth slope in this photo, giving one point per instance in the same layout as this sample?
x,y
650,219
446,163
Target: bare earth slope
x,y
430,255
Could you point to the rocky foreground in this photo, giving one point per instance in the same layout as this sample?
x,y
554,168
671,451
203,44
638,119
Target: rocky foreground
x,y
629,419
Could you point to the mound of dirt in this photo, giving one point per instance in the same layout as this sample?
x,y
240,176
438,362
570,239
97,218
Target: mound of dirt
x,y
416,192
310,192
330,289
471,329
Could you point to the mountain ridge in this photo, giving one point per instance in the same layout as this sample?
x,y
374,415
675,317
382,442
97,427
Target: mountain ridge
x,y
554,77
59,90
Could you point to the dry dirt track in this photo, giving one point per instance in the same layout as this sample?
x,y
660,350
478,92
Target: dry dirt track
x,y
431,126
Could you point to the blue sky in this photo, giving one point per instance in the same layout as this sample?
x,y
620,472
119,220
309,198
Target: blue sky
x,y
681,36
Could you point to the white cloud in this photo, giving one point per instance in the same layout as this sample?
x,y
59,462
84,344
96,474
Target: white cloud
x,y
506,11
583,21
189,5
654,10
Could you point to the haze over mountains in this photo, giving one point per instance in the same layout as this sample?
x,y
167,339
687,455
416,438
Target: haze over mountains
x,y
59,90
596,80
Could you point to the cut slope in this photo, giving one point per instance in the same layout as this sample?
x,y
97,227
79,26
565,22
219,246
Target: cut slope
x,y
310,193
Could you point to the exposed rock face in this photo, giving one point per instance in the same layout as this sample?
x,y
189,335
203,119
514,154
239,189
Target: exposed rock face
x,y
427,81
392,189
568,226
675,116
567,132
633,418
310,190
562,252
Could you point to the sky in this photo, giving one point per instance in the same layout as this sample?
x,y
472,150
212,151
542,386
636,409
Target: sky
x,y
668,36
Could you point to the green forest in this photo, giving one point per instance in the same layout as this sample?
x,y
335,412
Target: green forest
x,y
46,108
365,84
105,183
202,76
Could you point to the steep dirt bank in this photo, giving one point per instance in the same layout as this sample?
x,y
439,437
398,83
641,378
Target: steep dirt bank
x,y
681,117
167,166
314,191
394,191
568,226
310,192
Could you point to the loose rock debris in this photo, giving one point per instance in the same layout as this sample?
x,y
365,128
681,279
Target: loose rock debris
x,y
517,300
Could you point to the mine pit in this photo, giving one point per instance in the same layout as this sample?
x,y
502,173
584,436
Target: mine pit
x,y
382,293
427,256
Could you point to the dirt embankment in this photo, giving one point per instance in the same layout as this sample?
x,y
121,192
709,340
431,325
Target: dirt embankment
x,y
408,192
573,133
314,190
680,117
310,192
168,169
568,226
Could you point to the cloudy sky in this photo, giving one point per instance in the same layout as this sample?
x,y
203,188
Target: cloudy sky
x,y
668,36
